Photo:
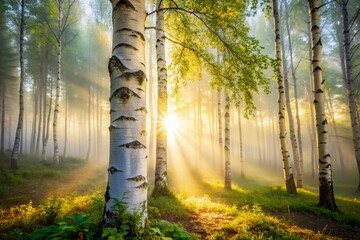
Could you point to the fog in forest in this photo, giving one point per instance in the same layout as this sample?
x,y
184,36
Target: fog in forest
x,y
192,122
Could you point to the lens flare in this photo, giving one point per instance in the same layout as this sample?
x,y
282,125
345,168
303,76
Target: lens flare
x,y
171,123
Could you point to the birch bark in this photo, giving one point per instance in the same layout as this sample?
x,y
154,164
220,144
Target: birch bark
x,y
289,180
127,172
162,105
326,193
15,151
350,87
227,143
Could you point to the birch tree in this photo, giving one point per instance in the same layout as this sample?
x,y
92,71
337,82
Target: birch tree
x,y
289,179
15,151
162,105
227,184
127,177
326,192
349,81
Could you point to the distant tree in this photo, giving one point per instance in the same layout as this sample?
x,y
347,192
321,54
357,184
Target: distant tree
x,y
161,131
326,192
15,151
349,81
7,68
289,179
128,155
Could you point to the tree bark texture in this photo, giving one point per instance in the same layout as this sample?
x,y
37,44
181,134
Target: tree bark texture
x,y
56,160
290,185
15,151
326,193
227,143
298,139
127,172
350,87
162,105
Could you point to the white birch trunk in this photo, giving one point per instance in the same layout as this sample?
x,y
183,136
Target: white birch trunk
x,y
326,193
162,105
14,155
289,180
127,172
227,143
350,87
56,161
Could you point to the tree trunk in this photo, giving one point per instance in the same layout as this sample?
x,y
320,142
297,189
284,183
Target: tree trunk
x,y
289,180
56,161
43,152
227,143
15,151
40,117
128,155
161,181
350,87
299,165
89,124
2,143
66,124
242,175
221,152
326,192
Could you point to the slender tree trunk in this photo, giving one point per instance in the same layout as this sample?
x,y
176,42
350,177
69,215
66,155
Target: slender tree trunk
x,y
242,175
15,151
310,90
43,152
128,155
221,152
2,144
227,143
161,181
40,117
45,77
294,144
89,125
299,177
326,192
338,146
33,128
66,124
57,85
289,179
350,87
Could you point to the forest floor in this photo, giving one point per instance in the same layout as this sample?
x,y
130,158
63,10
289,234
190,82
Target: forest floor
x,y
202,220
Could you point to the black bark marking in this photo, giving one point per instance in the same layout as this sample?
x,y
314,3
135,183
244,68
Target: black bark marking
x,y
137,178
133,33
107,194
125,45
133,145
113,170
124,93
322,82
113,127
142,109
144,185
115,64
327,155
112,111
324,122
316,101
319,91
124,3
123,118
143,133
317,68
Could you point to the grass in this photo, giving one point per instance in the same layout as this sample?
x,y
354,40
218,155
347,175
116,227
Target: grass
x,y
211,212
